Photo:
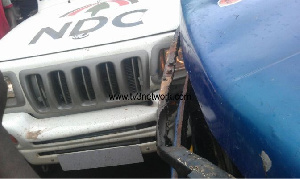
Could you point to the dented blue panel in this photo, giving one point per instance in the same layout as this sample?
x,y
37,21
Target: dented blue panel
x,y
244,64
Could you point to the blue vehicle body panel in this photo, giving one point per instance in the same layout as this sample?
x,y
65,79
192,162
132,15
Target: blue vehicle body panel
x,y
244,65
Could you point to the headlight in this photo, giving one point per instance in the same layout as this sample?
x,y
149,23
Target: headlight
x,y
159,57
10,89
15,96
179,61
163,55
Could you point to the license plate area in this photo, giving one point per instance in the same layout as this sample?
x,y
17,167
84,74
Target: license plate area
x,y
101,158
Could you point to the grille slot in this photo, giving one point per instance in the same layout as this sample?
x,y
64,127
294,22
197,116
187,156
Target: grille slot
x,y
60,88
37,89
109,78
84,83
132,73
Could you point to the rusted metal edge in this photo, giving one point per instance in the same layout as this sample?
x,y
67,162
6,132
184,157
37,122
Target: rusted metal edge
x,y
186,163
167,78
182,114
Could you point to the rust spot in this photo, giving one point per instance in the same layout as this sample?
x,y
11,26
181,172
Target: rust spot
x,y
33,134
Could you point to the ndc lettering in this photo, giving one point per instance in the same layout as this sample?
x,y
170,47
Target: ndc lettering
x,y
102,20
118,20
52,33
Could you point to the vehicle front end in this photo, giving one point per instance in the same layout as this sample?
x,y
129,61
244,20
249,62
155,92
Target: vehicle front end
x,y
78,87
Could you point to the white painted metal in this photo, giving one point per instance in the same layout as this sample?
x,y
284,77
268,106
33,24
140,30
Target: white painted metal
x,y
28,129
160,16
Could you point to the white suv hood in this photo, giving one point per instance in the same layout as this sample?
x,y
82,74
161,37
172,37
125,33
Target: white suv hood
x,y
62,26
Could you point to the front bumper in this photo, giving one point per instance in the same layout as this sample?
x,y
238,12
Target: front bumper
x,y
42,140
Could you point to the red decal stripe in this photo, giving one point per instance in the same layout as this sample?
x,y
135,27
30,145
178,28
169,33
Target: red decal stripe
x,y
120,2
80,9
223,3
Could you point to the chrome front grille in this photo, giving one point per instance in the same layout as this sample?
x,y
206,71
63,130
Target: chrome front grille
x,y
85,85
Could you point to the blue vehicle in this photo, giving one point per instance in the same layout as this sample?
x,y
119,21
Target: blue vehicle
x,y
243,64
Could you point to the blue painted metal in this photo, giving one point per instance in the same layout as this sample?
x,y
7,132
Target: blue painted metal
x,y
244,65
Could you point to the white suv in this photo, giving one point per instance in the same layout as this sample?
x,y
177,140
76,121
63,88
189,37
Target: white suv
x,y
62,66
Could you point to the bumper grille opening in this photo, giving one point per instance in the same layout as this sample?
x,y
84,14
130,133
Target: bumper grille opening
x,y
98,134
132,72
84,83
37,90
101,146
109,78
60,88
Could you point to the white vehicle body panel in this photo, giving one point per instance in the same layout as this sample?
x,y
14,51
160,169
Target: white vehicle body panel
x,y
155,18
